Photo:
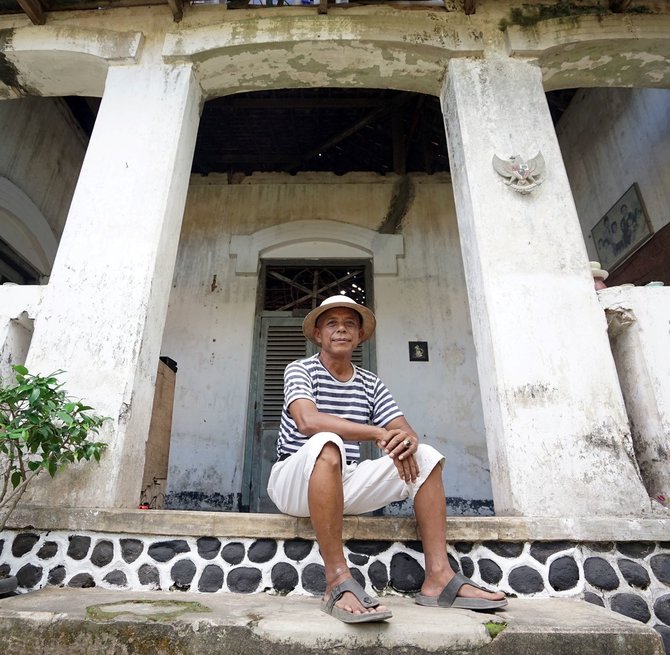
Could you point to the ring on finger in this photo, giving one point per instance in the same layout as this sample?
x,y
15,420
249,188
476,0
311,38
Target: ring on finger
x,y
407,443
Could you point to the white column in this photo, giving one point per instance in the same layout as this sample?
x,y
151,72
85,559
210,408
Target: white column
x,y
102,319
638,320
557,432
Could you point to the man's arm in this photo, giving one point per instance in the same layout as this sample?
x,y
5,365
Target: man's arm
x,y
309,420
391,438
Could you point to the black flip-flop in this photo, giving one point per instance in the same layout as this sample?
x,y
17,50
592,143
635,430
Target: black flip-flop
x,y
450,598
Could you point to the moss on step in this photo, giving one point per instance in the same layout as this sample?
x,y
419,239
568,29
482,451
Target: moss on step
x,y
494,628
149,610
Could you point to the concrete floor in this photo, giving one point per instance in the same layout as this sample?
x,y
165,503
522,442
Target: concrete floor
x,y
73,621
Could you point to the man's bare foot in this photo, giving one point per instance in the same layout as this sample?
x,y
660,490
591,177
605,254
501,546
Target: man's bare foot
x,y
434,587
348,602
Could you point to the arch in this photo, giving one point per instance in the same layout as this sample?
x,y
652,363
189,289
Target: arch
x,y
317,239
24,227
63,60
379,49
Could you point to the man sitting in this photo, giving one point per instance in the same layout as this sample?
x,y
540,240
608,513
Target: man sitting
x,y
329,406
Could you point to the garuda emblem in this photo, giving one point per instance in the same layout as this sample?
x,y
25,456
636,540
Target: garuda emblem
x,y
520,175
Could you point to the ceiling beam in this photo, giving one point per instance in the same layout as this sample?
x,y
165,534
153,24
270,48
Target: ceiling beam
x,y
34,11
469,6
177,9
279,103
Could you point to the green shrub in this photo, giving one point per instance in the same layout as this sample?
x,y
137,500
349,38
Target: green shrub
x,y
41,429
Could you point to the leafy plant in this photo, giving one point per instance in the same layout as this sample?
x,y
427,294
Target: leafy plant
x,y
41,429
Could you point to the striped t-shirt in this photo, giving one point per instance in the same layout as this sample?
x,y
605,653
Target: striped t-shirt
x,y
362,399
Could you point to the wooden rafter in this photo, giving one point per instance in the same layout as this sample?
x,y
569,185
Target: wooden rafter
x,y
34,10
177,9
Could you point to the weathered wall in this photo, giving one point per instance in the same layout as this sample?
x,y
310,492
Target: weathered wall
x,y
611,138
209,330
41,152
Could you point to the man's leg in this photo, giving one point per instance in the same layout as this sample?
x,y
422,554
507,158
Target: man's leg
x,y
326,509
431,517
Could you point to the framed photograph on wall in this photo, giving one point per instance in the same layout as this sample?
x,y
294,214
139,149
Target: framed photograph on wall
x,y
622,230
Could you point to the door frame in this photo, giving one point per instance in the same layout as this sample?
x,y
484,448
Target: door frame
x,y
259,314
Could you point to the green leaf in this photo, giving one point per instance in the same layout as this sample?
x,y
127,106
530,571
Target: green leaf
x,y
17,478
20,369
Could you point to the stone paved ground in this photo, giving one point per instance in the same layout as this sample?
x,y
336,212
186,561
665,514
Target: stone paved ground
x,y
91,621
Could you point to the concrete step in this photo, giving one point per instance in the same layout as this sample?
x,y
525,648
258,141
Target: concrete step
x,y
95,621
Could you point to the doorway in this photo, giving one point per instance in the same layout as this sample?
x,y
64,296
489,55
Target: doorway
x,y
288,291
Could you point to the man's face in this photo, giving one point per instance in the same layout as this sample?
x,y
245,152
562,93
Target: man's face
x,y
338,331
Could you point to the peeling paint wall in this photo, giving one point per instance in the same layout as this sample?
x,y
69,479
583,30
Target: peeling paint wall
x,y
611,138
209,329
41,152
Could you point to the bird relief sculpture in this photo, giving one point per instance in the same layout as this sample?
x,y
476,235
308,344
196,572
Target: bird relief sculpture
x,y
522,176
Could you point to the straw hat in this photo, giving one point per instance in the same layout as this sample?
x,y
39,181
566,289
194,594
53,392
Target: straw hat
x,y
596,271
368,321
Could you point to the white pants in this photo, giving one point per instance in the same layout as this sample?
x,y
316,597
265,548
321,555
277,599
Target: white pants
x,y
368,485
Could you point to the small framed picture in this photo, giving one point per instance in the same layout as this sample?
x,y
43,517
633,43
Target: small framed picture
x,y
621,231
418,351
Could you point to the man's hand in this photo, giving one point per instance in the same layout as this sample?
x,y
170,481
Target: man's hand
x,y
400,446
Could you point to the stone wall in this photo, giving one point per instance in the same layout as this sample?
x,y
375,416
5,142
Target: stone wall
x,y
632,578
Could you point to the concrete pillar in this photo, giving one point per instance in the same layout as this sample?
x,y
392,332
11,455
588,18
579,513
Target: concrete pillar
x,y
638,329
102,319
557,434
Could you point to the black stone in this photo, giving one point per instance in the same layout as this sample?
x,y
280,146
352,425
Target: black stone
x,y
182,574
600,546
298,549
504,548
665,636
467,566
284,577
367,547
594,599
358,576
407,575
29,575
636,549
211,579
164,551
244,580
563,573
630,605
634,574
453,562
116,578
82,581
131,549
525,580
23,543
660,565
5,570
463,546
208,547
415,545
262,550
56,575
48,550
2,545
314,579
489,571
78,547
148,575
233,553
378,575
359,560
541,551
600,574
103,553
662,609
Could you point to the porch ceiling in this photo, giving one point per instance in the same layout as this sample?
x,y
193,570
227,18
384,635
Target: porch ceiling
x,y
324,129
